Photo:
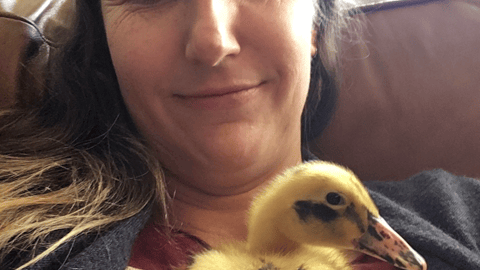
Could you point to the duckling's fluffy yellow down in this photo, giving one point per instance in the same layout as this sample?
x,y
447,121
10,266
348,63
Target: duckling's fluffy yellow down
x,y
234,256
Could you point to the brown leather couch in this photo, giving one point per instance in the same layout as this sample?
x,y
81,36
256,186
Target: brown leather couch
x,y
410,98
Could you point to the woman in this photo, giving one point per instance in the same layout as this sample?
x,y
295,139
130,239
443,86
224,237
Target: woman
x,y
214,91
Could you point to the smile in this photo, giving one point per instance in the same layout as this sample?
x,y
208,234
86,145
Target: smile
x,y
220,98
220,91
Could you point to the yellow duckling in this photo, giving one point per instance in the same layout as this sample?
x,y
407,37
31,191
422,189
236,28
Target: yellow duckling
x,y
305,220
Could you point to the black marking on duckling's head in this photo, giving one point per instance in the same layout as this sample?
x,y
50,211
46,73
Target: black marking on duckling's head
x,y
374,233
320,211
352,215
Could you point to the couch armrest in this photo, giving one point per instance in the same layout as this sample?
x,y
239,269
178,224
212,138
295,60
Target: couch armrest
x,y
29,30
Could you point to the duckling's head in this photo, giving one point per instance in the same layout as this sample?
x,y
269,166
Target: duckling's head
x,y
322,204
317,199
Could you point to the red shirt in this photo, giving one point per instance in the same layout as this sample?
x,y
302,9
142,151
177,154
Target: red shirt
x,y
154,249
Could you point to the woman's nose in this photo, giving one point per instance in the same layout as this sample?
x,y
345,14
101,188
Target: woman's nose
x,y
211,37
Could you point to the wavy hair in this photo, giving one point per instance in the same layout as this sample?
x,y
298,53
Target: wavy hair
x,y
74,163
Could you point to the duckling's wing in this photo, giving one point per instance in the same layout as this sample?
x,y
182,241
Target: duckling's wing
x,y
306,258
232,256
315,258
216,260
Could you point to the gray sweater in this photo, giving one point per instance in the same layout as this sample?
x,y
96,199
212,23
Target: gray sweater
x,y
436,212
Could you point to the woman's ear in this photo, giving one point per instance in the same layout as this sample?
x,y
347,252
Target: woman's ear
x,y
313,50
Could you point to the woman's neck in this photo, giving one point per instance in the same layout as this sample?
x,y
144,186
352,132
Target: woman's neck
x,y
212,219
218,218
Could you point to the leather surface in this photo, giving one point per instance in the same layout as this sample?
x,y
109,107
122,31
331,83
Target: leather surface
x,y
51,17
12,41
29,29
410,100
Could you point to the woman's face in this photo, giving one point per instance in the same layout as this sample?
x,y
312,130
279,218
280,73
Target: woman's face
x,y
216,86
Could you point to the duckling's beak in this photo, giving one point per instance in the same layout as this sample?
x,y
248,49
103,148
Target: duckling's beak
x,y
382,242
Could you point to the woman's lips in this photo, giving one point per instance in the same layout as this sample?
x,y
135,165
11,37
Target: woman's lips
x,y
215,92
220,98
219,91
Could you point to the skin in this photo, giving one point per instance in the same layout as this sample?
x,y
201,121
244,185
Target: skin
x,y
175,59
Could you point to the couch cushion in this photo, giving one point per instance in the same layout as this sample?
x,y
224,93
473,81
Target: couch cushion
x,y
410,99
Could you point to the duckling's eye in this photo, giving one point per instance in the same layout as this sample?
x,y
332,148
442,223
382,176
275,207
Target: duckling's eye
x,y
334,198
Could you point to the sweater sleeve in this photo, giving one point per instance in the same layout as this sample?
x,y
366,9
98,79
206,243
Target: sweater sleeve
x,y
102,251
437,213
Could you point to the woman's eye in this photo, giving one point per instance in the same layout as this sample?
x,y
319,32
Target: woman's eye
x,y
334,198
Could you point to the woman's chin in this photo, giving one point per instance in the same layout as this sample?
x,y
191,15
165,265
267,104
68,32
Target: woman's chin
x,y
221,171
232,158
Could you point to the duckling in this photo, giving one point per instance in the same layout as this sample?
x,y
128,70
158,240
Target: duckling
x,y
305,220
